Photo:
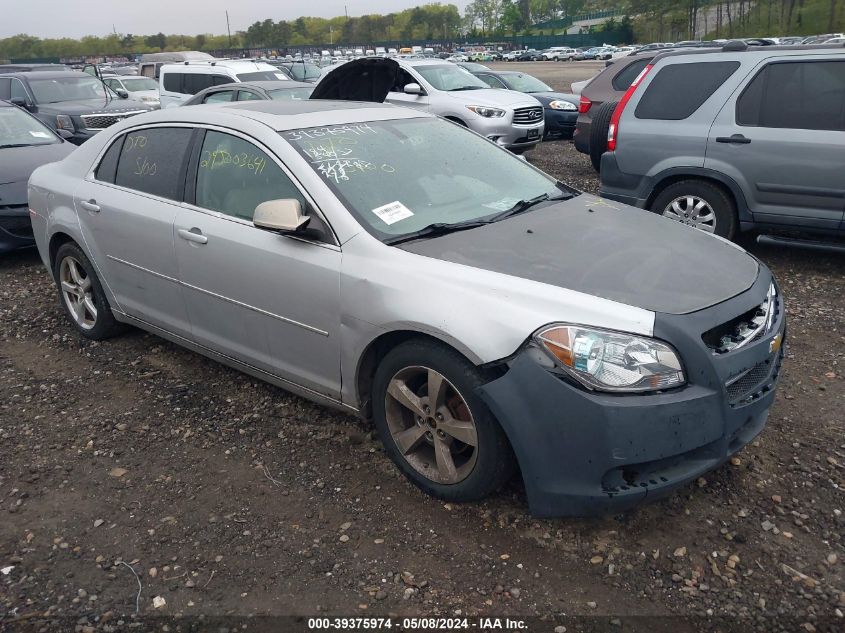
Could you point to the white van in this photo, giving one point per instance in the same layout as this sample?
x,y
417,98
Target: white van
x,y
178,82
151,63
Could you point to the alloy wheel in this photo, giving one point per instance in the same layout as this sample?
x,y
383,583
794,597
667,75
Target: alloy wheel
x,y
431,425
692,211
78,293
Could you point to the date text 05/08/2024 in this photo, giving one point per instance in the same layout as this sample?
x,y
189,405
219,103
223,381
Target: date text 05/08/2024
x,y
418,624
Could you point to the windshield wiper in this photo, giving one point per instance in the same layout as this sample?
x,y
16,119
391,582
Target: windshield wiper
x,y
524,205
15,145
466,88
438,228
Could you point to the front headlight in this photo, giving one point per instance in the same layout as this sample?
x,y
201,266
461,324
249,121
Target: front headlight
x,y
64,122
487,112
563,105
612,361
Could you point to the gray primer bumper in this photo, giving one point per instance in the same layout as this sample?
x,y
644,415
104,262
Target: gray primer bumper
x,y
586,453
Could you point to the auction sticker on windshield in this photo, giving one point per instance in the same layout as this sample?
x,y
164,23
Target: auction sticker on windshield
x,y
393,212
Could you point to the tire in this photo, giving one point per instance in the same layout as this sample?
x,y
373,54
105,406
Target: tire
x,y
476,471
598,132
722,207
93,317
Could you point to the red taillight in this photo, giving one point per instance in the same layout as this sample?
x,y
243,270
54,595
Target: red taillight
x,y
584,105
613,130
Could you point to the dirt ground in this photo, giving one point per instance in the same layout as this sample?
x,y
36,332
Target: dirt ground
x,y
229,497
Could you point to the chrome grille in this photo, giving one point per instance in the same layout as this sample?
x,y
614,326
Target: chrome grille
x,y
746,328
528,116
102,121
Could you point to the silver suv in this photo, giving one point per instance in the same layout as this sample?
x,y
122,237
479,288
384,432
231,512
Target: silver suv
x,y
734,139
511,119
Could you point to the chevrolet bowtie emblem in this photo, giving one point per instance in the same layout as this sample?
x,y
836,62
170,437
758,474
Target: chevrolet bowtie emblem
x,y
775,344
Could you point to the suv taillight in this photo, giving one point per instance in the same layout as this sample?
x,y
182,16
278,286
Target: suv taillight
x,y
613,130
584,105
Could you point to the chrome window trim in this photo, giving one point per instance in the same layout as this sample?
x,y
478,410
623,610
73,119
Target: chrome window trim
x,y
90,176
253,308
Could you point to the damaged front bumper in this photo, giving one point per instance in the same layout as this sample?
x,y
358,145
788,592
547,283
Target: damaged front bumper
x,y
586,453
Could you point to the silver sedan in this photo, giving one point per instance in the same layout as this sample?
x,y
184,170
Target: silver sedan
x,y
390,263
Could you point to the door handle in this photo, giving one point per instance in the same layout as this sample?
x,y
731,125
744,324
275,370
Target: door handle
x,y
737,139
90,205
194,235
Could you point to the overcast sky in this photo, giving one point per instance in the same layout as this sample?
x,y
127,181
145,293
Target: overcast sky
x,y
65,18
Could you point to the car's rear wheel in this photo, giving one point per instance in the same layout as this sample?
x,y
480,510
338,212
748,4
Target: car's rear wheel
x,y
82,295
699,204
599,127
435,427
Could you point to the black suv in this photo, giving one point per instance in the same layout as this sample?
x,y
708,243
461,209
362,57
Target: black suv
x,y
74,104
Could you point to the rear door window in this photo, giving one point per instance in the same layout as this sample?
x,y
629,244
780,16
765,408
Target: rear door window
x,y
623,80
5,89
195,82
815,97
154,161
678,90
246,95
221,96
107,168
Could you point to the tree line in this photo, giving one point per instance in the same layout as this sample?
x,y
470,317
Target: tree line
x,y
644,20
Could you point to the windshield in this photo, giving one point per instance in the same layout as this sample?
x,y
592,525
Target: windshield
x,y
262,75
397,177
75,87
17,128
305,71
292,94
141,83
449,77
525,83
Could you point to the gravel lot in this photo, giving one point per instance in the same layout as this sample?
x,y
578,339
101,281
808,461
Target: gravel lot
x,y
230,497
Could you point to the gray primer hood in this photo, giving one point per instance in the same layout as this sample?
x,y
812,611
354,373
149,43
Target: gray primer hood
x,y
607,250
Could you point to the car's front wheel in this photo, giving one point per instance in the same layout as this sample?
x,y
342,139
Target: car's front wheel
x,y
435,427
699,204
82,295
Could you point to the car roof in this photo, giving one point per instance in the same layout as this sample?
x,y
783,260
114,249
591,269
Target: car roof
x,y
284,115
418,61
215,63
49,74
739,47
270,84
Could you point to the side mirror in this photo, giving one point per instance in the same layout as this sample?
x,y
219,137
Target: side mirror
x,y
65,134
413,89
122,93
21,103
284,216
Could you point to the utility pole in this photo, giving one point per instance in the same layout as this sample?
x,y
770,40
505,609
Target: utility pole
x,y
331,35
228,29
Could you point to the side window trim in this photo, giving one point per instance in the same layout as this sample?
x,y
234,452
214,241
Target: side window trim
x,y
309,199
190,185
